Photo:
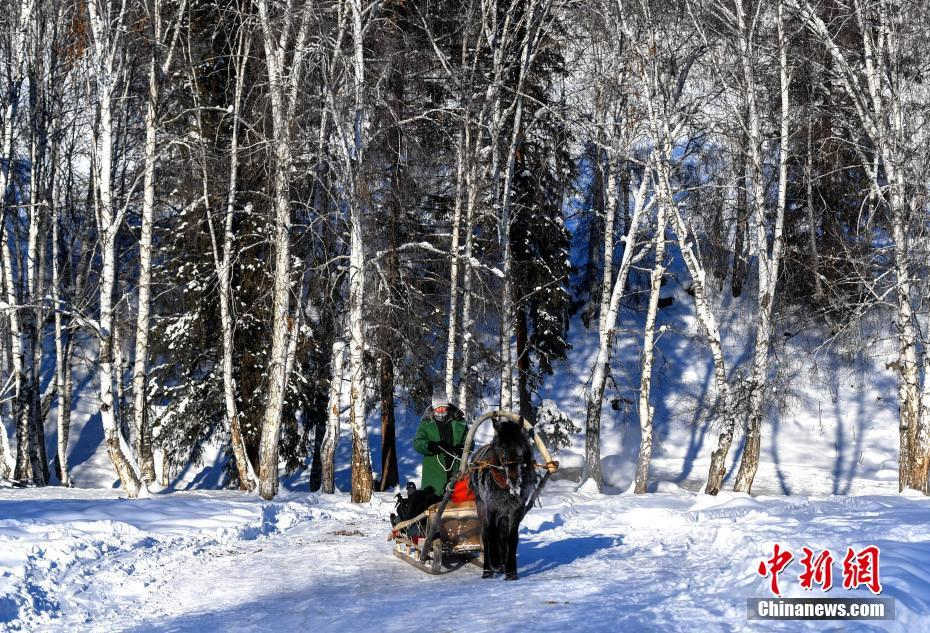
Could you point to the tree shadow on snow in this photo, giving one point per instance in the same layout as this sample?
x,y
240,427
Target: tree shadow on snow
x,y
847,463
536,558
676,393
90,438
91,435
698,431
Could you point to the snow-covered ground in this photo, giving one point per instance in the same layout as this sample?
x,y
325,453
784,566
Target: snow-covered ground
x,y
84,560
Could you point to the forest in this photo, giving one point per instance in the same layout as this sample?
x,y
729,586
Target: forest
x,y
270,225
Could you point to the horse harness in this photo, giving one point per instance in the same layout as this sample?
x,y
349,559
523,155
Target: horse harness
x,y
499,470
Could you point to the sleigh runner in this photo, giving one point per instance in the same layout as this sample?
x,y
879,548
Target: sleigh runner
x,y
447,534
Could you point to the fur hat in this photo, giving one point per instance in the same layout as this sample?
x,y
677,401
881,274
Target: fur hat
x,y
440,398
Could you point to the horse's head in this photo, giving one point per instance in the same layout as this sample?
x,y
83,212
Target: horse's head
x,y
514,453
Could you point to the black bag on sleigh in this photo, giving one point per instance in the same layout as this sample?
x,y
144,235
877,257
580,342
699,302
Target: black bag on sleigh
x,y
415,503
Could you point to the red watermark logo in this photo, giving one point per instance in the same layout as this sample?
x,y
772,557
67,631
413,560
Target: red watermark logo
x,y
859,568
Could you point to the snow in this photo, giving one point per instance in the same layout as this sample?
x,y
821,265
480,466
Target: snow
x,y
191,559
831,427
204,560
225,561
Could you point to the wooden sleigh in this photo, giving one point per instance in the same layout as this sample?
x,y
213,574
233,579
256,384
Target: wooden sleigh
x,y
447,535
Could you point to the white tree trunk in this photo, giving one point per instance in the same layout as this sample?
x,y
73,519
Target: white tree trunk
x,y
32,294
140,364
702,310
610,214
116,444
6,457
20,415
7,460
119,373
361,460
594,395
331,437
452,337
471,179
875,93
665,124
282,90
222,260
768,264
23,466
534,15
105,41
140,358
913,468
362,482
507,304
277,376
646,410
61,358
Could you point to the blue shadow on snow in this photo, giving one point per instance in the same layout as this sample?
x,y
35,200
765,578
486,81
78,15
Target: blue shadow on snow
x,y
536,558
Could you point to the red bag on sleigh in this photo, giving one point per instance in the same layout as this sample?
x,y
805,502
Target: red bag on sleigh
x,y
462,492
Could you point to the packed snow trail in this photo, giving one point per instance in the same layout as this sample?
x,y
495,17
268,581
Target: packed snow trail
x,y
81,560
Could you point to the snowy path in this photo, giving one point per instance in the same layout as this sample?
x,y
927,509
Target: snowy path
x,y
217,561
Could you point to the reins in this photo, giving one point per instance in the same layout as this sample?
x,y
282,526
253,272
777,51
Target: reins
x,y
451,464
481,465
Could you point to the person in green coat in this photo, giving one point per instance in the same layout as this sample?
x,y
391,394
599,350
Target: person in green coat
x,y
440,439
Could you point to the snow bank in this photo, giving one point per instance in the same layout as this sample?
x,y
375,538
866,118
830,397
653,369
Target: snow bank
x,y
64,550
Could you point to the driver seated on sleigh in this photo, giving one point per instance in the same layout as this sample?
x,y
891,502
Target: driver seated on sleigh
x,y
440,438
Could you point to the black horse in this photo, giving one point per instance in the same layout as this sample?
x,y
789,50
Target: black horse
x,y
503,478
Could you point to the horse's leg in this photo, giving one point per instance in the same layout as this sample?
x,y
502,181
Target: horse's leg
x,y
500,541
512,538
487,540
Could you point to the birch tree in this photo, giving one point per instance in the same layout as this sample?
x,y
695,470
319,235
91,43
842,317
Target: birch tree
x,y
872,76
361,460
646,410
56,83
22,17
40,65
621,132
26,450
350,125
64,330
223,252
465,197
285,44
7,462
333,411
767,261
468,184
669,115
594,393
535,16
61,357
107,30
452,330
471,198
164,36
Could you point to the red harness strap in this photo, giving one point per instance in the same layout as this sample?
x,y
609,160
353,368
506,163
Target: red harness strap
x,y
500,478
499,471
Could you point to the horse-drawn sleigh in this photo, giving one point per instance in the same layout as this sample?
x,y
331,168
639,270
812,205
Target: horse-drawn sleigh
x,y
479,528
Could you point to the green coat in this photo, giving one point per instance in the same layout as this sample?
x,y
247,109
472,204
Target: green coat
x,y
436,473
